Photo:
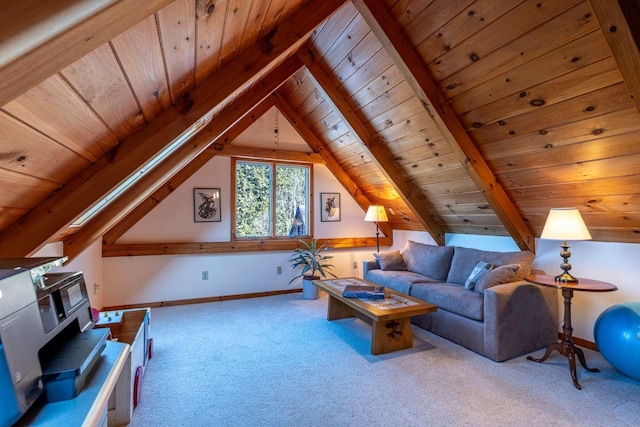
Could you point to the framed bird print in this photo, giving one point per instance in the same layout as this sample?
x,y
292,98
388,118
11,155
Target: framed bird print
x,y
330,203
206,205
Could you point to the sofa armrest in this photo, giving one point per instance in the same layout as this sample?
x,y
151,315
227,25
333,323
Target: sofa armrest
x,y
369,265
519,317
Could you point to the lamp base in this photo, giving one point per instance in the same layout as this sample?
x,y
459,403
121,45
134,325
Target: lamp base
x,y
566,278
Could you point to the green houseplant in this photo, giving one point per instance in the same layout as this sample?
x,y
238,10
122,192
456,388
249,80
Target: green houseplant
x,y
315,265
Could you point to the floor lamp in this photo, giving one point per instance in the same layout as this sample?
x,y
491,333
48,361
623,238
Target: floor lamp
x,y
376,213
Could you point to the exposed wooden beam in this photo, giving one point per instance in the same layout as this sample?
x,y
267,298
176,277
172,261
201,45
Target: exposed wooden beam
x,y
229,116
40,38
332,164
68,203
144,249
416,74
135,215
266,154
372,144
620,23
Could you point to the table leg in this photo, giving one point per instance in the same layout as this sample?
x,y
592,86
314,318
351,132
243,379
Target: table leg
x,y
566,347
557,346
391,335
582,360
336,309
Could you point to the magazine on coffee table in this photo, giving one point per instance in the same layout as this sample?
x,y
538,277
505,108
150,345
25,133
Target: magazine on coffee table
x,y
363,291
390,302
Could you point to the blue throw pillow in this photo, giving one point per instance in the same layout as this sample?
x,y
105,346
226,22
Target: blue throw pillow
x,y
478,271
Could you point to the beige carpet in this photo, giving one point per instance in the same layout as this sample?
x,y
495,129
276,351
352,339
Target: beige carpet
x,y
277,361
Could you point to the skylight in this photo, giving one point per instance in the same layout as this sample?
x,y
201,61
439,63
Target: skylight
x,y
125,185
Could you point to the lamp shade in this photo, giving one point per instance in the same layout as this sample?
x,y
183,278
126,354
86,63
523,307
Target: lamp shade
x,y
376,213
565,224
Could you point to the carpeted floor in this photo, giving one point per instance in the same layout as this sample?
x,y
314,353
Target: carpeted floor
x,y
277,361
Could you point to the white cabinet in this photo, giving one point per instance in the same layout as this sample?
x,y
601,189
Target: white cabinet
x,y
131,327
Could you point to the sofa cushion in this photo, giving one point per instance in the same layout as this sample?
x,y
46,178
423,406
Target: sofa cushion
x,y
429,260
478,271
400,281
451,297
465,259
497,276
391,260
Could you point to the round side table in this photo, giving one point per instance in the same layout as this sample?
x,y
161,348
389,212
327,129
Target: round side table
x,y
566,347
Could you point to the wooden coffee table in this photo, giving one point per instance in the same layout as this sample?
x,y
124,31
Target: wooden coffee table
x,y
389,318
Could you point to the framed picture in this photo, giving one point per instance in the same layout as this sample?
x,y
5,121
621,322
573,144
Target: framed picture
x,y
206,204
330,204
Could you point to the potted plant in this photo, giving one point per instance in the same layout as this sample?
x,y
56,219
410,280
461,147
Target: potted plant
x,y
315,265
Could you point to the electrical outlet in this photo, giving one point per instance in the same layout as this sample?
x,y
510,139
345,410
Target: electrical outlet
x,y
355,264
205,275
279,270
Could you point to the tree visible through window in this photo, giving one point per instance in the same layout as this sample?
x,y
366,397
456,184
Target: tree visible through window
x,y
271,199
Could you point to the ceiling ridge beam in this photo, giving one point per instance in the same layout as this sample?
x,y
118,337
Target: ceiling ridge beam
x,y
372,145
64,35
620,24
55,213
193,152
417,76
332,164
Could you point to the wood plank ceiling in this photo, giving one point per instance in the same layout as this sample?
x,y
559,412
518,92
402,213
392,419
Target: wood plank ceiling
x,y
459,116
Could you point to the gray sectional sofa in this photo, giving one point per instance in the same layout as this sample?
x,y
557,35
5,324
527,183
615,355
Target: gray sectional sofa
x,y
491,310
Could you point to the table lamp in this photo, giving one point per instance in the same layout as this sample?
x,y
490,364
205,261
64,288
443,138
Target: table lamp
x,y
565,224
376,213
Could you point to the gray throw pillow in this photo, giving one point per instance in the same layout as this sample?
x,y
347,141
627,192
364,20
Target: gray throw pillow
x,y
478,271
429,260
391,260
497,276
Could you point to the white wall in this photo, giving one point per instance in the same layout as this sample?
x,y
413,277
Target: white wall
x,y
135,280
173,220
615,263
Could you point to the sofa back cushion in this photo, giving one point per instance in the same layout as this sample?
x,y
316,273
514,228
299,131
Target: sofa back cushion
x,y
465,259
429,260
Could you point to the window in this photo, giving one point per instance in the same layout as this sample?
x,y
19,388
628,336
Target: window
x,y
271,199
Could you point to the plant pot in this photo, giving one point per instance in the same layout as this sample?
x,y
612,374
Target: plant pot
x,y
309,291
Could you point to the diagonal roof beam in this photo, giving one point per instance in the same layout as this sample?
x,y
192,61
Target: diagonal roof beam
x,y
44,37
415,73
230,115
332,164
373,145
620,23
50,217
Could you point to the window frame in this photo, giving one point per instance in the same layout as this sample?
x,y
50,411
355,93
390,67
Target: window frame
x,y
274,163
